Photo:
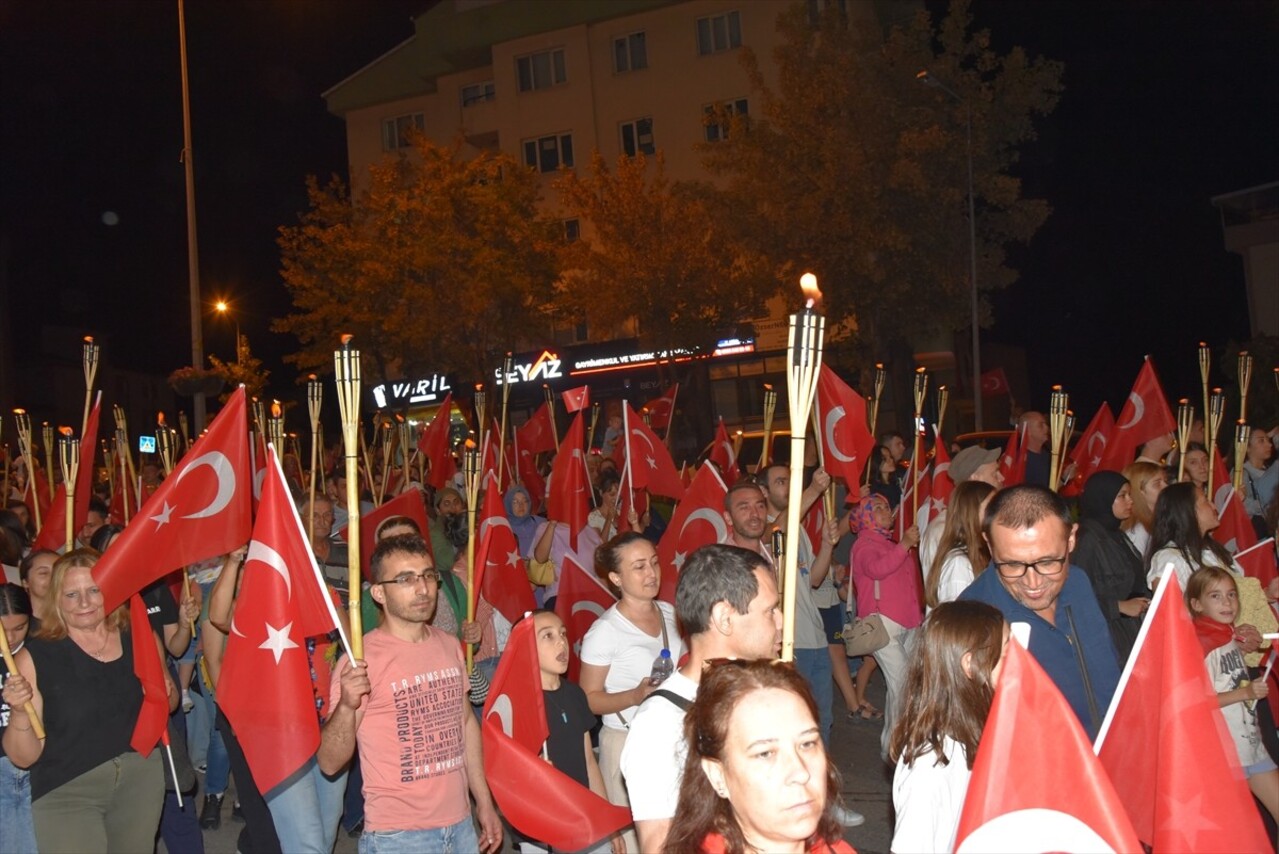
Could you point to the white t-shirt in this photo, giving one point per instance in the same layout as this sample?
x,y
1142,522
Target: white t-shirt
x,y
1172,555
810,631
655,751
1139,536
928,799
1228,671
616,643
930,542
956,575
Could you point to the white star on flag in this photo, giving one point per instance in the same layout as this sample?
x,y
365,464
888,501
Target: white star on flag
x,y
652,462
512,558
680,557
162,518
278,640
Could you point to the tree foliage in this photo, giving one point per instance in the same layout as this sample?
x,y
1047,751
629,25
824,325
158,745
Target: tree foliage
x,y
655,254
851,168
433,268
246,370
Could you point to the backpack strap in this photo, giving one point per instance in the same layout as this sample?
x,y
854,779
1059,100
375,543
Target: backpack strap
x,y
683,704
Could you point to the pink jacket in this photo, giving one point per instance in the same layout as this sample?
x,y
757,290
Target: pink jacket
x,y
877,558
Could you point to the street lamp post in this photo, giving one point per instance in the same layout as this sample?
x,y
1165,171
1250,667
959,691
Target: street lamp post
x,y
928,80
224,308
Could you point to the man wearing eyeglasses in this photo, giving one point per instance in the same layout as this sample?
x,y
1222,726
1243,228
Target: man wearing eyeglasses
x,y
406,707
1031,535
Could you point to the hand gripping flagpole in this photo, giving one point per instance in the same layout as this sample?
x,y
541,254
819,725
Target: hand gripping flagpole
x,y
314,397
804,359
1185,420
471,469
1057,407
346,368
22,421
69,456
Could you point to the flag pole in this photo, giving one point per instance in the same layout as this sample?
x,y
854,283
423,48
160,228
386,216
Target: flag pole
x,y
1185,419
1057,407
828,497
471,469
881,379
1205,363
346,369
770,406
314,397
22,421
1212,428
550,410
1242,432
508,365
595,417
47,434
130,473
943,398
385,431
916,464
804,358
69,456
91,353
670,420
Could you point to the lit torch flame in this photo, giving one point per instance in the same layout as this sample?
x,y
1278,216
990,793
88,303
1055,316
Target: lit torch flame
x,y
346,340
88,339
159,418
808,284
275,409
66,431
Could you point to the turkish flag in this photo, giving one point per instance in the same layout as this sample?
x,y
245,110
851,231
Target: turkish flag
x,y
1145,415
152,726
698,521
651,466
528,475
37,494
408,503
581,600
994,382
722,454
265,687
1235,531
537,434
53,531
1091,447
503,577
942,485
257,462
845,437
202,509
1258,561
1166,745
1031,792
577,399
1012,462
662,409
514,730
434,445
569,501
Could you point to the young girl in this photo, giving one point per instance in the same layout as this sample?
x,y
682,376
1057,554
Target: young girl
x,y
568,717
16,830
1213,598
949,688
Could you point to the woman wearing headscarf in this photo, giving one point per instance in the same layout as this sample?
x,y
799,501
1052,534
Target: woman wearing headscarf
x,y
1106,554
519,512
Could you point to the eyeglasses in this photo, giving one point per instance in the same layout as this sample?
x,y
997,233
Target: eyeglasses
x,y
1045,566
406,580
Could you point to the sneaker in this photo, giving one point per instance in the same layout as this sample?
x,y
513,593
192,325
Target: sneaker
x,y
187,703
847,817
237,813
211,815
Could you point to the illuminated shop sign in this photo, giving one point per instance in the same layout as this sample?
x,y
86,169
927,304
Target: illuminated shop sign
x,y
394,395
547,366
619,361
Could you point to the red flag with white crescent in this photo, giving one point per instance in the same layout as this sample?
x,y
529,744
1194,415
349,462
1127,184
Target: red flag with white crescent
x,y
203,509
1091,447
845,436
53,530
569,501
434,445
577,399
651,466
536,435
152,726
1145,415
698,521
503,576
722,454
581,600
662,409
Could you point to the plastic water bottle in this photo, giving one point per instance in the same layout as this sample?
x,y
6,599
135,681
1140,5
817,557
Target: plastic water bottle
x,y
663,667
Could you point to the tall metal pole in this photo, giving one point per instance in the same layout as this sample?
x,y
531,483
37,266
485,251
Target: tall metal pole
x,y
972,254
193,249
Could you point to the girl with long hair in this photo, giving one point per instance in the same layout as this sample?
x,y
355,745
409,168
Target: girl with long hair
x,y
962,552
1146,481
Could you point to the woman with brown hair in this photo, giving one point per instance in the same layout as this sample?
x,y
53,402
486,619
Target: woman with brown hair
x,y
1145,481
757,777
90,791
949,689
962,553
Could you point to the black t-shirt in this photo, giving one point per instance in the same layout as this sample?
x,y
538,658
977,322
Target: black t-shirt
x,y
568,718
162,608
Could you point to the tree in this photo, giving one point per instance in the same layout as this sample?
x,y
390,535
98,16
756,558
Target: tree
x,y
850,168
246,370
435,268
656,255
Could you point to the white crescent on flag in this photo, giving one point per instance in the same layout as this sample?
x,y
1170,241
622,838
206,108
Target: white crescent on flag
x,y
1034,830
706,514
502,708
1138,411
832,447
221,466
990,384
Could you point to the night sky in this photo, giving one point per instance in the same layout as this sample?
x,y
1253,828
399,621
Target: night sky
x,y
1166,105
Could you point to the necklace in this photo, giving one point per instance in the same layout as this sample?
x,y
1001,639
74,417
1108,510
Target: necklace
x,y
102,649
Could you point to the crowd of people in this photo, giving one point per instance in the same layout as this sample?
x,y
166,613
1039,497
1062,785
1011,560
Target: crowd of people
x,y
681,714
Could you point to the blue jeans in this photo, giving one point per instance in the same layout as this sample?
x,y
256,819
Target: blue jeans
x,y
17,833
305,809
459,838
814,665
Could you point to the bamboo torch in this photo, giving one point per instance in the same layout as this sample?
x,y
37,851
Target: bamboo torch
x,y
346,369
1185,420
122,439
480,426
388,447
1205,363
47,434
1245,380
471,469
1242,433
314,396
37,725
804,361
916,464
508,365
881,380
770,406
595,419
91,353
164,444
69,456
550,410
1212,428
275,427
1058,404
943,398
22,421
259,417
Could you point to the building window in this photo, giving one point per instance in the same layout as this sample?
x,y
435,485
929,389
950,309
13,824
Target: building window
x,y
716,116
478,93
817,7
630,53
572,230
548,153
637,136
395,132
541,70
718,33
